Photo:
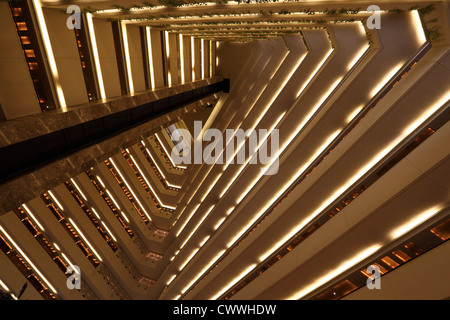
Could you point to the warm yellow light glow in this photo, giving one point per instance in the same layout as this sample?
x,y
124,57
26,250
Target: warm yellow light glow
x,y
210,59
149,185
101,182
270,202
171,279
112,198
3,285
260,143
32,216
150,57
233,282
415,221
187,220
126,50
359,257
95,213
386,78
168,154
421,38
49,51
129,188
159,169
181,58
85,239
124,216
354,114
27,259
109,231
313,74
55,200
219,223
98,70
188,259
78,189
202,52
193,58
207,266
198,225
358,56
169,73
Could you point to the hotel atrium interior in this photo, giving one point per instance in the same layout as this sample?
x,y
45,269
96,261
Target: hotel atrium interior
x,y
99,99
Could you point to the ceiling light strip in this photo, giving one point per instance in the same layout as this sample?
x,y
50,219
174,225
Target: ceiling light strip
x,y
129,188
239,234
85,239
150,56
127,56
168,154
148,183
49,51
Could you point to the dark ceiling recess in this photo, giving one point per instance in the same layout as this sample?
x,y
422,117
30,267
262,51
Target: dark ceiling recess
x,y
28,155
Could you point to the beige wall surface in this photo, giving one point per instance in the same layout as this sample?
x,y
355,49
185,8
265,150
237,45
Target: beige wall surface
x,y
17,95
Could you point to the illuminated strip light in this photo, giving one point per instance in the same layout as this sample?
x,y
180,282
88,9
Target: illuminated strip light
x,y
95,212
78,189
416,221
49,51
233,282
168,154
124,216
98,70
193,253
127,56
201,272
181,58
85,239
421,37
364,254
197,226
249,158
202,51
210,59
28,259
239,234
359,174
156,164
131,190
189,259
386,78
313,74
169,73
187,220
148,183
395,234
262,114
171,279
6,289
101,182
256,123
193,58
112,198
65,257
32,216
109,231
150,57
159,169
55,200
294,177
